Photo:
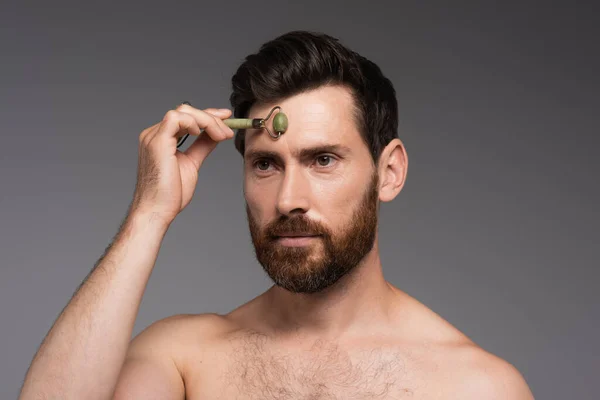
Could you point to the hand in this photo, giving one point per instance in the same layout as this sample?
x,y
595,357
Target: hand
x,y
167,177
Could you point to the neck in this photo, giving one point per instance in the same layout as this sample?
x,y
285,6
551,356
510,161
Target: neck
x,y
360,299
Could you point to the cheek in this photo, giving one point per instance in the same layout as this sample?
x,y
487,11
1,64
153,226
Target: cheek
x,y
259,200
250,191
337,200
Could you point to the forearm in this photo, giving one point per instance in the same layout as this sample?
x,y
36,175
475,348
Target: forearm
x,y
83,353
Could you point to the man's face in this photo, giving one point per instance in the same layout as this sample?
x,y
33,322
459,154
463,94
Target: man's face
x,y
311,195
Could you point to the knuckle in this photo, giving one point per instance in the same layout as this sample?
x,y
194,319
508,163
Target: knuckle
x,y
217,122
143,135
171,115
216,133
150,143
144,141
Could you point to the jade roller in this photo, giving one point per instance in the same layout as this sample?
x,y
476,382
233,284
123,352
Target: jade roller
x,y
280,124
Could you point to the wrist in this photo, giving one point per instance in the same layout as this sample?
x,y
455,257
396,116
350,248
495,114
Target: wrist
x,y
148,220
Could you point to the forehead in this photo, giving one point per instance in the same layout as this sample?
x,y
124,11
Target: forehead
x,y
321,116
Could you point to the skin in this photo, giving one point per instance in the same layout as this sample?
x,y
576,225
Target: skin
x,y
295,345
356,337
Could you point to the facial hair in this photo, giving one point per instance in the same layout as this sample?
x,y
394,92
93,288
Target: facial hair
x,y
318,265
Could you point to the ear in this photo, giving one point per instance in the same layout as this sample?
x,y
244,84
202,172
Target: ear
x,y
393,164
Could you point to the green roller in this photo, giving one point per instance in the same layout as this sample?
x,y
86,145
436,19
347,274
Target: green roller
x,y
239,123
280,122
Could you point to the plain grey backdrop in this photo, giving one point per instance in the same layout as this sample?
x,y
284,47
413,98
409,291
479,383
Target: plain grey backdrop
x,y
496,229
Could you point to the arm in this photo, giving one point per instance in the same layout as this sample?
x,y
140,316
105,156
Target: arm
x,y
84,351
159,358
150,371
504,381
488,376
82,354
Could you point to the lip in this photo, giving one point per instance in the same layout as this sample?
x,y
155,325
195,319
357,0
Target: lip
x,y
295,240
296,235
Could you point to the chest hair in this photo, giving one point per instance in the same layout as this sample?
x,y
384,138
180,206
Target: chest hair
x,y
259,369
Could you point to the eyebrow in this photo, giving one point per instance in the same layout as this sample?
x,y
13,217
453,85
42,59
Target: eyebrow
x,y
303,154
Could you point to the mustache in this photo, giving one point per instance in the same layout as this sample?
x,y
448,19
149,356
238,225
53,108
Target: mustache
x,y
299,225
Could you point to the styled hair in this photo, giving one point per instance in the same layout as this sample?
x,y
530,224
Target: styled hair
x,y
300,61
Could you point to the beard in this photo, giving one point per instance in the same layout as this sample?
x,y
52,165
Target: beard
x,y
329,256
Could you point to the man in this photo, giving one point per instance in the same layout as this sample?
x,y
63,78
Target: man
x,y
331,326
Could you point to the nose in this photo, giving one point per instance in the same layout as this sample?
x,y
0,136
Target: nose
x,y
294,193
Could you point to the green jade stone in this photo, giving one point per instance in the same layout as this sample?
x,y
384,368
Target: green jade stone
x,y
280,122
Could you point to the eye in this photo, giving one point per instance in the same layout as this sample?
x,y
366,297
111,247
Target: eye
x,y
262,164
325,160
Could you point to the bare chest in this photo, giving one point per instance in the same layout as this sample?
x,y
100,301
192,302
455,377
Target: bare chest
x,y
252,370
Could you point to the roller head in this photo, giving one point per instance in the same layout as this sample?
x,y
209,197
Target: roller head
x,y
280,122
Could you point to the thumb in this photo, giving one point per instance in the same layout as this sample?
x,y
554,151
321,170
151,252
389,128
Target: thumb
x,y
219,112
200,149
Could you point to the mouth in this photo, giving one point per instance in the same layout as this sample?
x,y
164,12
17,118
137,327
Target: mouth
x,y
293,235
295,239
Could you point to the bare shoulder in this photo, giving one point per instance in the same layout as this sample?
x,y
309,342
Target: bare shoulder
x,y
186,324
463,366
173,337
483,375
155,363
183,326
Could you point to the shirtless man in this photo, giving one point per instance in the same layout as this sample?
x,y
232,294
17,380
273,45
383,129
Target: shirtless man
x,y
331,326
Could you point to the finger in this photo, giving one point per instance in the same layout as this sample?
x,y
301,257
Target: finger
x,y
174,125
202,116
200,149
204,145
221,114
148,132
171,128
218,113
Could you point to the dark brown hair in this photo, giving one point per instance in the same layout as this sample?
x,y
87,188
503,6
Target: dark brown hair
x,y
301,60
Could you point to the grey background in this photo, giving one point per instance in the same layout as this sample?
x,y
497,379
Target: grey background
x,y
496,228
